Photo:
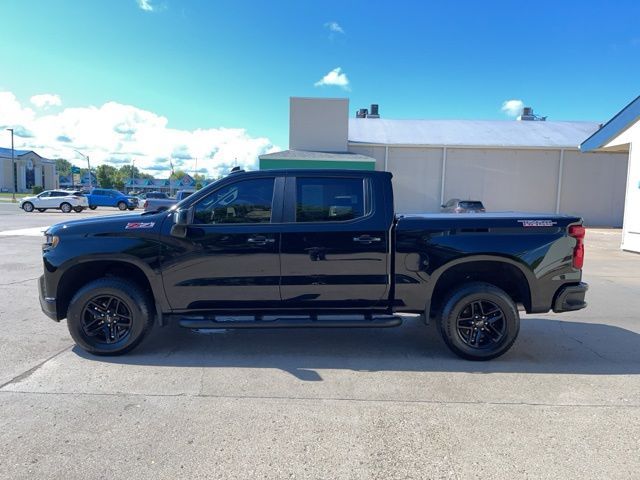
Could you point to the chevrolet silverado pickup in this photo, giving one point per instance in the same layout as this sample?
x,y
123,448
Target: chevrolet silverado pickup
x,y
309,248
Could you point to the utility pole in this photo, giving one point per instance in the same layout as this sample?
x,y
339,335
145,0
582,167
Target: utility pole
x,y
13,168
133,172
88,167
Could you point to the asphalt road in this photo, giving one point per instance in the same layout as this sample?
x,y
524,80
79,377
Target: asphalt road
x,y
383,404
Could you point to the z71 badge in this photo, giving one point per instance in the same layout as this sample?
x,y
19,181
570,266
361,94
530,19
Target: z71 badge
x,y
537,223
132,225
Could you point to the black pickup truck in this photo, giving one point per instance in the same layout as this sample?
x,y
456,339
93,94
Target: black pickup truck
x,y
309,248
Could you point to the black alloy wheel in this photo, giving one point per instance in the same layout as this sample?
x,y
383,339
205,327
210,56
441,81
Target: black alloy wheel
x,y
109,316
481,324
106,318
479,321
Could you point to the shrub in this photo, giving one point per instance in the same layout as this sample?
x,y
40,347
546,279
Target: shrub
x,y
37,189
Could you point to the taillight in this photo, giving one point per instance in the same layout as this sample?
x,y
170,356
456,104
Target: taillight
x,y
146,203
578,232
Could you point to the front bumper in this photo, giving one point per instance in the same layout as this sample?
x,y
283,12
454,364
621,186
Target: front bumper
x,y
47,304
571,298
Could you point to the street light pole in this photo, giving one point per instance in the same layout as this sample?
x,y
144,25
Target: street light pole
x,y
88,166
13,168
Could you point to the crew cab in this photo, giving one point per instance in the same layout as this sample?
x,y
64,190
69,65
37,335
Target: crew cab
x,y
309,248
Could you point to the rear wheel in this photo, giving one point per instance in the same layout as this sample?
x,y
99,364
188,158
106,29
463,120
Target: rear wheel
x,y
93,207
109,316
122,205
479,321
27,207
65,207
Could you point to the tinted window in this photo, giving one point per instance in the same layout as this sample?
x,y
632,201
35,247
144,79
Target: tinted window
x,y
98,192
44,195
248,201
59,194
329,199
477,205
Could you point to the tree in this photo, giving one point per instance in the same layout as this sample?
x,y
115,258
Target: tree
x,y
107,176
63,167
178,174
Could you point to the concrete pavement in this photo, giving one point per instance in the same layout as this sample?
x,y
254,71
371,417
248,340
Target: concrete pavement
x,y
393,403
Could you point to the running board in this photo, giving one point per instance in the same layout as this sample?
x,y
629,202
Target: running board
x,y
282,321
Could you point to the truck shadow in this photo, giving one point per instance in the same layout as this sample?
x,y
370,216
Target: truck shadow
x,y
544,346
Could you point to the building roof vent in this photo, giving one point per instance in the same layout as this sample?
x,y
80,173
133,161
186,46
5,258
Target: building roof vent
x,y
529,116
362,113
374,111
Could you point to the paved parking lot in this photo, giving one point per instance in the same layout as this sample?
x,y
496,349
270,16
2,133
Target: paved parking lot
x,y
385,404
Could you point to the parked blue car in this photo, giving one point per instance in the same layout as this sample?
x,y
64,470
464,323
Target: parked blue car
x,y
102,197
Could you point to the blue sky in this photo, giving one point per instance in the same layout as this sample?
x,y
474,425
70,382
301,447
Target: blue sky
x,y
234,64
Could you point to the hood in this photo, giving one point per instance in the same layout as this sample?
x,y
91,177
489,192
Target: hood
x,y
130,223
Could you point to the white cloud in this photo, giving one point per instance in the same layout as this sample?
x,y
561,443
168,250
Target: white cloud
x,y
334,27
145,5
334,78
45,100
117,134
512,108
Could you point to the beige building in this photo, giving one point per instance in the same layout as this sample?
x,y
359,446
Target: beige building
x,y
526,165
30,170
622,134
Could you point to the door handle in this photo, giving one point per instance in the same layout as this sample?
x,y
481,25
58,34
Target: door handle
x,y
260,240
366,239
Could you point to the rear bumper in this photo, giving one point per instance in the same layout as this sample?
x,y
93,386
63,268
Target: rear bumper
x,y
571,298
47,304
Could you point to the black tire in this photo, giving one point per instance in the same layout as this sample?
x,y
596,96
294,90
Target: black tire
x,y
479,321
27,207
89,306
78,209
93,207
122,206
66,207
41,210
131,208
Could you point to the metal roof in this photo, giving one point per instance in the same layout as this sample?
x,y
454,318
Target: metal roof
x,y
481,133
614,127
311,155
6,152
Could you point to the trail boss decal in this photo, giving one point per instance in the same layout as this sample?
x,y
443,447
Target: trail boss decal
x,y
537,223
134,225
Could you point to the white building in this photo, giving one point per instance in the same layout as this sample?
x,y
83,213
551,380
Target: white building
x,y
30,170
622,134
533,166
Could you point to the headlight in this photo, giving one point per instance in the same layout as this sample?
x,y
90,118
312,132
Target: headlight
x,y
50,241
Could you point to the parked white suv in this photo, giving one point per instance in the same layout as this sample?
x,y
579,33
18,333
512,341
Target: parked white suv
x,y
58,199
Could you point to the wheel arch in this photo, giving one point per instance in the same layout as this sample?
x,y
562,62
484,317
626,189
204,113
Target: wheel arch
x,y
504,273
82,272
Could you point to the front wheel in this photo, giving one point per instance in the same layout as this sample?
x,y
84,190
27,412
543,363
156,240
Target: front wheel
x,y
66,207
479,321
27,207
122,205
109,316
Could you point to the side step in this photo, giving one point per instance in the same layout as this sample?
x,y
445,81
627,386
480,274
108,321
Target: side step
x,y
285,321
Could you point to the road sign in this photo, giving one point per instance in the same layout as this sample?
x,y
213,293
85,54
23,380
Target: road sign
x,y
75,170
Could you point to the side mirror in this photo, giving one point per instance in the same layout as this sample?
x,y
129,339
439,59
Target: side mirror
x,y
182,218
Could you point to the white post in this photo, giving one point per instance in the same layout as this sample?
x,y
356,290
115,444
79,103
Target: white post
x,y
444,169
559,189
386,158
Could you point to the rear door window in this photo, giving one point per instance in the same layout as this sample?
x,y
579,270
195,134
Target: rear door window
x,y
329,199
